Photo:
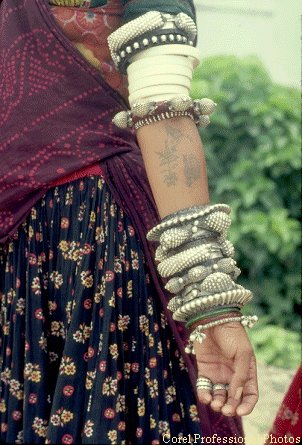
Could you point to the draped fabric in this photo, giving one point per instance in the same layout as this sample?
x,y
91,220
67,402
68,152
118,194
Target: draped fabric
x,y
92,359
135,8
288,421
55,117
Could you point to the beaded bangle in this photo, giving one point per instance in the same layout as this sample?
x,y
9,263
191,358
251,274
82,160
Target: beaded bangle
x,y
206,322
160,117
144,113
211,313
124,58
152,28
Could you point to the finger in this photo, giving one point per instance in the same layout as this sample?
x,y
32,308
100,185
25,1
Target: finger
x,y
219,399
241,365
204,396
250,392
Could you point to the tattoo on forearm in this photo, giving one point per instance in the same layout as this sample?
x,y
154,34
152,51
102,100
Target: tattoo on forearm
x,y
176,135
168,158
191,169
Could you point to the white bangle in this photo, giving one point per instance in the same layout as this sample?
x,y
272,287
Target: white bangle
x,y
160,69
174,49
151,81
173,60
148,93
167,85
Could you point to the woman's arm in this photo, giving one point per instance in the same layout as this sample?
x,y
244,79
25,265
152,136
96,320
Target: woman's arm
x,y
175,164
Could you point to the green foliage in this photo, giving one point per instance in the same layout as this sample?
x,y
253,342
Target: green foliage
x,y
253,157
276,346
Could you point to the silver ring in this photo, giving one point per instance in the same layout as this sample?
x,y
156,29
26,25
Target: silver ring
x,y
200,388
218,386
205,385
204,380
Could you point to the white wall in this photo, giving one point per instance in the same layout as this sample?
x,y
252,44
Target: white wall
x,y
268,28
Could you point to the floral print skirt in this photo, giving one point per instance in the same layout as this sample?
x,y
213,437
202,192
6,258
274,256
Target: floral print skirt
x,y
86,353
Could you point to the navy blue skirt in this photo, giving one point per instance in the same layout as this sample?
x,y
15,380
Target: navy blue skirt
x,y
86,353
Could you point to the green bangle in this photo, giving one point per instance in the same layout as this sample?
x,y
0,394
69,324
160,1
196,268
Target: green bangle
x,y
211,313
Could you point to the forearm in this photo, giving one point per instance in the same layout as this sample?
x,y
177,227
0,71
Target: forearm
x,y
175,164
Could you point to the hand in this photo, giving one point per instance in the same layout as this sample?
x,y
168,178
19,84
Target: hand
x,y
226,356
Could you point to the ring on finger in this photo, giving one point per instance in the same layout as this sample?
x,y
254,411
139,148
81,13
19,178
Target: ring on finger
x,y
203,386
203,380
219,386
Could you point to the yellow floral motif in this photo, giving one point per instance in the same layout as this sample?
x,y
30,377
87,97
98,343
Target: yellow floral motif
x,y
88,428
92,217
32,372
153,388
40,426
112,436
82,334
170,394
144,324
193,413
151,340
89,379
114,351
109,386
123,321
129,289
99,235
87,278
57,329
30,232
163,427
100,183
2,406
152,422
100,292
120,403
111,301
140,407
61,417
63,245
67,366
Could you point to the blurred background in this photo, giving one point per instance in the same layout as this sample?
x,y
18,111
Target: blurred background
x,y
250,66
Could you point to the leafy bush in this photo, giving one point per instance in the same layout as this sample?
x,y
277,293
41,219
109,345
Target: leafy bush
x,y
275,345
253,158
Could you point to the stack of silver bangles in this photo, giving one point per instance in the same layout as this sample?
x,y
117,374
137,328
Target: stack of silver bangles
x,y
151,29
145,113
197,259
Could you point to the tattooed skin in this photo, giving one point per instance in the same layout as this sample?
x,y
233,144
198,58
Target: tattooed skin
x,y
191,169
169,158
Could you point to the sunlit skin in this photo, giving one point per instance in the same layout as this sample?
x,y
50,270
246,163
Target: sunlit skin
x,y
226,355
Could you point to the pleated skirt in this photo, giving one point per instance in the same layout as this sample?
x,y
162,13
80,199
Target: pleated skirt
x,y
86,353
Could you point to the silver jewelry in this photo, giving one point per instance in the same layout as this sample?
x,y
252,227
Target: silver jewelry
x,y
191,308
204,383
218,386
185,216
187,259
198,273
161,117
204,380
145,24
213,283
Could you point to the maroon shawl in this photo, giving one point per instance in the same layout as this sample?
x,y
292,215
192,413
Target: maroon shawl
x,y
55,117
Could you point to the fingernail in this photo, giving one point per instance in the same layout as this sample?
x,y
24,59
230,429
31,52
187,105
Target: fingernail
x,y
238,393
